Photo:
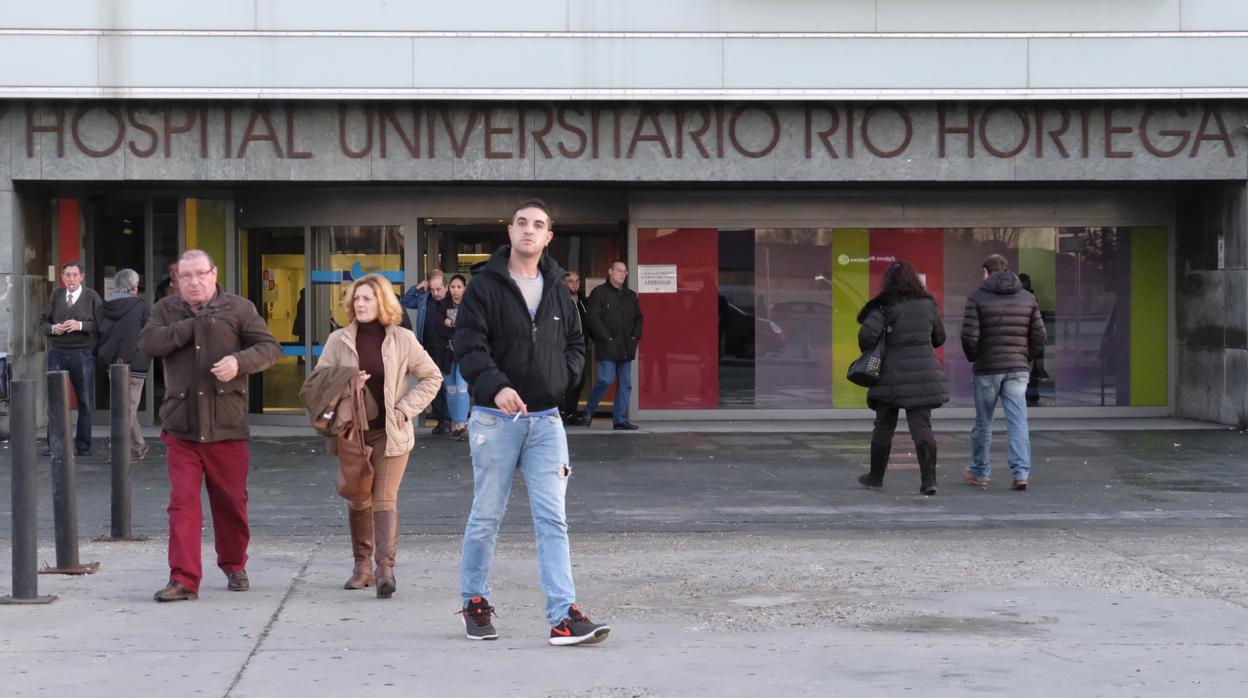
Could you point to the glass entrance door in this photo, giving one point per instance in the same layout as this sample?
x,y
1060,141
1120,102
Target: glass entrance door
x,y
274,277
297,278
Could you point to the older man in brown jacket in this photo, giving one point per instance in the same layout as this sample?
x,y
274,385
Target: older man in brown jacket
x,y
210,341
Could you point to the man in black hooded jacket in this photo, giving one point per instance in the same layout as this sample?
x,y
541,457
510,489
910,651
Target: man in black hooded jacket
x,y
120,319
519,345
1002,333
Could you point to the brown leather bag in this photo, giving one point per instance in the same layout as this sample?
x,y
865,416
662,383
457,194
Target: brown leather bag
x,y
355,470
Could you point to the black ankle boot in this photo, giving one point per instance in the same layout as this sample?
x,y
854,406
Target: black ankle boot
x,y
927,469
879,463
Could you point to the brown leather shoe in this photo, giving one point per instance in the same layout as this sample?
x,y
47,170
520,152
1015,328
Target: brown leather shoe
x,y
386,535
974,481
361,522
175,592
1019,485
237,581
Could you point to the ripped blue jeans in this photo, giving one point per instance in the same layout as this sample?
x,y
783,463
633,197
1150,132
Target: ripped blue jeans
x,y
457,397
537,446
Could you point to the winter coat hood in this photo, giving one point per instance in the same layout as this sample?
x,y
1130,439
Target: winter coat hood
x,y
1003,283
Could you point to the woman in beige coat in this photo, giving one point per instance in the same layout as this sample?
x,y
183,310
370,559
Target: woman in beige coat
x,y
386,354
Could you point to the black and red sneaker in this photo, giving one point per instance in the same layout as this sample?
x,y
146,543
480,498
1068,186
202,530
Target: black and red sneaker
x,y
577,629
477,617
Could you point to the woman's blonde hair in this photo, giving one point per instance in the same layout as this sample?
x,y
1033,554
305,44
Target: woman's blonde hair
x,y
389,312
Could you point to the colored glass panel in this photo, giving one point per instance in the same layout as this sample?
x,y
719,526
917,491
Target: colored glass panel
x,y
1148,329
851,288
206,230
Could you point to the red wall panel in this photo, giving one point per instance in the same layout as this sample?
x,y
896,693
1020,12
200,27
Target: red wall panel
x,y
678,360
922,247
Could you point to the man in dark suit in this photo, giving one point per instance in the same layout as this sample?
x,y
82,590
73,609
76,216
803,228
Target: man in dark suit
x,y
69,324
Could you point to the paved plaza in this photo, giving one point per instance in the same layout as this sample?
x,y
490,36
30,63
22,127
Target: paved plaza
x,y
728,562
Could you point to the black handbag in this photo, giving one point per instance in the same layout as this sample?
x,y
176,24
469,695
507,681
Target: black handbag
x,y
865,370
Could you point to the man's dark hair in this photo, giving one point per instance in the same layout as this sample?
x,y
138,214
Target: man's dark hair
x,y
72,263
537,204
901,279
996,263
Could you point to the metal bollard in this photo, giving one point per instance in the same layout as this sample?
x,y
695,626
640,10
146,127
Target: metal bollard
x,y
25,499
64,485
119,404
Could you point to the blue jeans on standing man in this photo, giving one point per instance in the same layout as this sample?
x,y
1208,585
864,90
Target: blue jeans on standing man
x,y
1011,390
81,368
537,446
608,371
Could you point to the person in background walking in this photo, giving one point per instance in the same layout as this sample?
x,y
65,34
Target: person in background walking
x,y
422,300
911,377
1002,333
122,317
458,400
615,324
386,356
519,342
69,323
211,341
571,410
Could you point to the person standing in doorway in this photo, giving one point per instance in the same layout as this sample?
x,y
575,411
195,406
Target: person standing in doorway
x,y
615,320
458,401
911,377
571,409
69,323
424,301
1002,333
122,317
518,341
211,341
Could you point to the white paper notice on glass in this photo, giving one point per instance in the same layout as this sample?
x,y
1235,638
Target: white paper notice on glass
x,y
656,278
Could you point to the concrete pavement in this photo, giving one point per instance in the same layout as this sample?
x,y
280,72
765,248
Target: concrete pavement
x,y
726,564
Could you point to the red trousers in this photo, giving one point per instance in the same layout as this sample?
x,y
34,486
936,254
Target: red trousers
x,y
224,465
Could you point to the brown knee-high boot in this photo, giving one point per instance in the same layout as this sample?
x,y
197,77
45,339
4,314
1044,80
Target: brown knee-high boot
x,y
386,534
361,522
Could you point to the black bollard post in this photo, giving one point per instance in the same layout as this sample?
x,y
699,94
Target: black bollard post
x,y
64,484
119,404
25,499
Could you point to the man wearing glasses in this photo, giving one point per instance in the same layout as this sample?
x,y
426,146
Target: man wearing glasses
x,y
210,341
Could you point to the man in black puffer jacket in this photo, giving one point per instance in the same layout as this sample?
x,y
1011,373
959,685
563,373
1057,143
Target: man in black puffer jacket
x,y
519,345
1001,333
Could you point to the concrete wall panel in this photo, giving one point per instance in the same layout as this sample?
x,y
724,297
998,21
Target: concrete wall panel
x,y
1201,311
47,60
412,15
318,134
168,61
567,63
875,63
722,16
1215,15
130,14
1235,398
1028,16
1138,62
1235,309
1201,385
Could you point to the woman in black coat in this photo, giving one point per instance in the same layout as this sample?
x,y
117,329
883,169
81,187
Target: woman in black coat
x,y
911,378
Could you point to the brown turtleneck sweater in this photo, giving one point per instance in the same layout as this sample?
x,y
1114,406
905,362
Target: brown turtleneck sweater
x,y
368,338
